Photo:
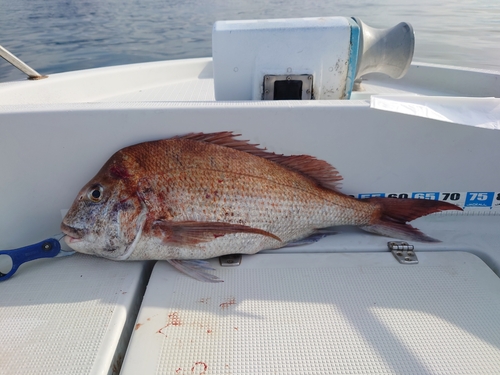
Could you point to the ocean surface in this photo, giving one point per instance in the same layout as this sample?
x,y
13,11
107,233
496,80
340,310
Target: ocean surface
x,y
63,35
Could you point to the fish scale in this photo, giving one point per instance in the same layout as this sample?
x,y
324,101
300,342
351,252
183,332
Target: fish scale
x,y
225,188
206,195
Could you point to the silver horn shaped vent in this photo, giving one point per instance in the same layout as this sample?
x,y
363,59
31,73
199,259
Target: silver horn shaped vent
x,y
387,51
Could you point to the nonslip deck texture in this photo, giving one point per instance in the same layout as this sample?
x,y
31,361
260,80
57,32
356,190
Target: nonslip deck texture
x,y
430,318
66,315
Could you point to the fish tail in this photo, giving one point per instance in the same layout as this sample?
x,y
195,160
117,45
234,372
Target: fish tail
x,y
393,214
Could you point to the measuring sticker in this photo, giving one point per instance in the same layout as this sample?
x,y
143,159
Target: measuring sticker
x,y
477,202
479,199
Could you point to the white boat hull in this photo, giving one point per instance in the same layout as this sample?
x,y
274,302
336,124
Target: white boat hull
x,y
56,133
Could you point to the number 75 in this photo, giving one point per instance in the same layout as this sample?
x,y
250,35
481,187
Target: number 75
x,y
478,196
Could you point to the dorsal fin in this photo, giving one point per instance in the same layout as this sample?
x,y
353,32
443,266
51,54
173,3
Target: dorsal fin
x,y
318,170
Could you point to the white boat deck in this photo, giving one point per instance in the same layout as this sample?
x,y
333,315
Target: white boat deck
x,y
199,90
342,305
329,315
192,81
69,317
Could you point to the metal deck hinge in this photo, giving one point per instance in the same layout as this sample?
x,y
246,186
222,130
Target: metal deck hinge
x,y
403,252
231,260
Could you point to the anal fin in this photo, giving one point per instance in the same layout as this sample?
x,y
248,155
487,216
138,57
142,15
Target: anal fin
x,y
195,268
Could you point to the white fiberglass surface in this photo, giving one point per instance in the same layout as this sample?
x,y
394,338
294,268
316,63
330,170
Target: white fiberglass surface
x,y
192,80
322,313
69,315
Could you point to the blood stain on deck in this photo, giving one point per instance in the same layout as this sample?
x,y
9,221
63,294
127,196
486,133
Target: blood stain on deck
x,y
229,302
173,320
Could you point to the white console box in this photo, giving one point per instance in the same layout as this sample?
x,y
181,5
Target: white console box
x,y
245,51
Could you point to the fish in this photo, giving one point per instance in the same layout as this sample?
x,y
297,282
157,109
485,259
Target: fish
x,y
203,195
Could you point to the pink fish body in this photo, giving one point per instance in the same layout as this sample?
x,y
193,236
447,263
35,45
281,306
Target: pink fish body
x,y
207,195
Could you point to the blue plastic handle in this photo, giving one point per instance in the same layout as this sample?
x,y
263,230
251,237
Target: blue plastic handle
x,y
48,248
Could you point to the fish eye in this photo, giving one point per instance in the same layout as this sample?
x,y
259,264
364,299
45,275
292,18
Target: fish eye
x,y
95,193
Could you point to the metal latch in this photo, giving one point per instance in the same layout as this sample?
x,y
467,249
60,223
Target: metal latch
x,y
288,87
403,252
230,260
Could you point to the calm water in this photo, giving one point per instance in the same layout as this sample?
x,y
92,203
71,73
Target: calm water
x,y
61,35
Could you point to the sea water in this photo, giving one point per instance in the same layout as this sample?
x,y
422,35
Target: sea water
x,y
63,35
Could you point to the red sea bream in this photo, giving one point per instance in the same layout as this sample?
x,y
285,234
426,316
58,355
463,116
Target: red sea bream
x,y
205,195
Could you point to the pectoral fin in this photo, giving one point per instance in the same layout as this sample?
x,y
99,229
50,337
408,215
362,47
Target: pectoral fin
x,y
197,269
194,232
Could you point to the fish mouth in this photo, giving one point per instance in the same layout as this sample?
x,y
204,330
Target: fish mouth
x,y
72,234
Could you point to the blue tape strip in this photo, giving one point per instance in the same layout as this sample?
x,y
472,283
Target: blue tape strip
x,y
353,57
